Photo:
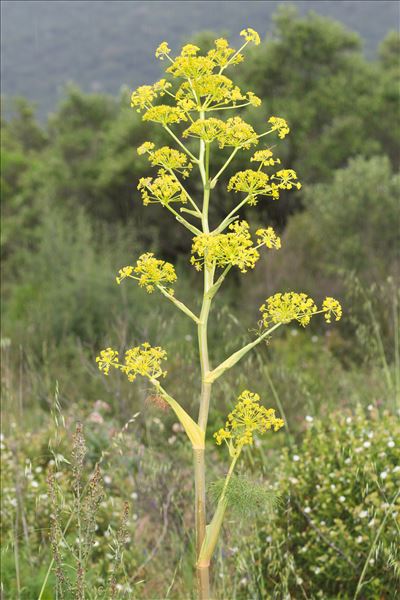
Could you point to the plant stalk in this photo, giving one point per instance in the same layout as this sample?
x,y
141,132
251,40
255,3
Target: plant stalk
x,y
203,577
214,528
199,455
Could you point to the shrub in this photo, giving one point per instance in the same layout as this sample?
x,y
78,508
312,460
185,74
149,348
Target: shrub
x,y
334,535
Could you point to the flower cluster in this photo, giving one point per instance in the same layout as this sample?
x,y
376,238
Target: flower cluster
x,y
234,132
108,358
145,147
253,183
250,35
222,54
144,96
238,134
290,306
190,66
142,360
205,129
150,272
166,157
283,308
280,125
268,238
247,418
223,249
165,114
213,89
163,50
205,87
124,273
265,158
287,179
330,306
164,189
153,272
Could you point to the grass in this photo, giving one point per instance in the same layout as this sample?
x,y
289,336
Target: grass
x,y
138,460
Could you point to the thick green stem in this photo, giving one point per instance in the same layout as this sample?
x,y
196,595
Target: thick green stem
x,y
214,528
200,470
203,348
200,515
199,457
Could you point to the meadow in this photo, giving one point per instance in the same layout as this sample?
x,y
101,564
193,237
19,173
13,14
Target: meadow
x,y
72,217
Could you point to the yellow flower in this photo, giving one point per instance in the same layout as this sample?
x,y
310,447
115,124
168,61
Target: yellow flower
x,y
279,125
189,50
145,147
214,87
222,53
107,358
144,360
250,35
164,114
265,158
247,418
223,249
124,273
153,271
221,435
253,183
164,189
237,133
161,86
170,159
253,99
207,129
268,238
186,104
163,50
191,66
283,308
331,306
143,96
287,179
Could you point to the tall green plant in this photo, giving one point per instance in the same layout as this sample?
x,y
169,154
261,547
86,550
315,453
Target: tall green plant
x,y
202,89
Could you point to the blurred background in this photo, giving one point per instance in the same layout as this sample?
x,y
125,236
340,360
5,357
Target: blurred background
x,y
71,217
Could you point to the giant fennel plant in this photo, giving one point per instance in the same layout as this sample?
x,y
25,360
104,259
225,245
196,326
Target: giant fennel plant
x,y
191,109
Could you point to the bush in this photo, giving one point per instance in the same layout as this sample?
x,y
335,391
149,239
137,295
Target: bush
x,y
336,529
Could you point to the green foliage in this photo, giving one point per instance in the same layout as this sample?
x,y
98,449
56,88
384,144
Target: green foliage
x,y
60,292
21,142
339,510
305,71
244,497
129,473
356,215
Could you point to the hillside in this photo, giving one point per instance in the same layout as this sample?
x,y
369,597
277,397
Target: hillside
x,y
104,45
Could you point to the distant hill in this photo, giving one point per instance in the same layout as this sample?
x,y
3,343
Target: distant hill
x,y
106,44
